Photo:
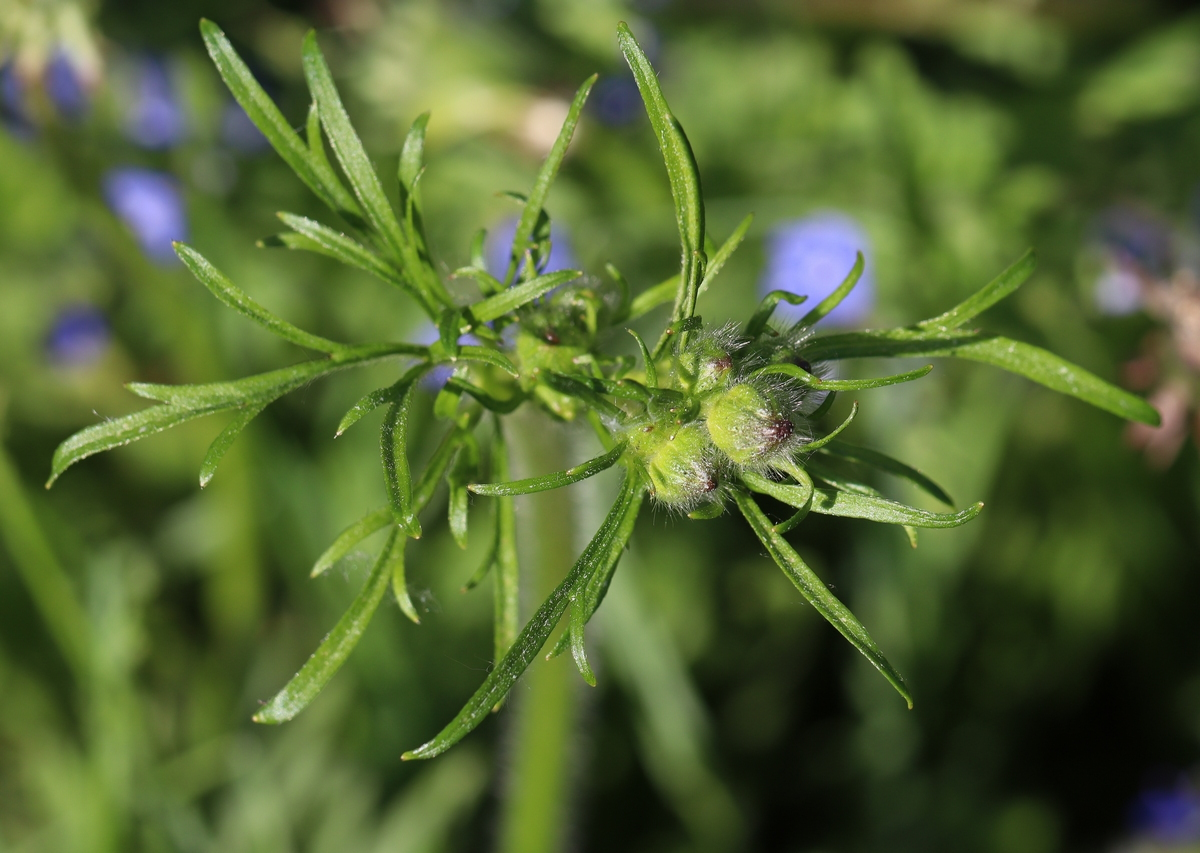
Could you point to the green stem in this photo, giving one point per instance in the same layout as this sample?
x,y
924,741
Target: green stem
x,y
534,813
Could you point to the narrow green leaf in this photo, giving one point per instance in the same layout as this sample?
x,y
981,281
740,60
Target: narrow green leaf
x,y
823,409
506,591
546,482
489,285
478,242
323,239
812,381
225,290
489,558
575,632
470,352
335,648
492,404
513,298
575,387
825,439
274,383
222,443
758,323
545,177
399,583
121,431
393,440
368,403
886,463
463,470
436,469
648,300
872,508
313,171
370,523
348,148
647,359
533,636
412,154
682,172
723,254
799,495
834,299
625,304
1000,287
817,593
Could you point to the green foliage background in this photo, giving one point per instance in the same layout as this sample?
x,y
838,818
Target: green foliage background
x,y
1051,644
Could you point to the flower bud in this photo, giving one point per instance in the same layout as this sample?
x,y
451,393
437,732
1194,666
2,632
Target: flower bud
x,y
746,425
679,461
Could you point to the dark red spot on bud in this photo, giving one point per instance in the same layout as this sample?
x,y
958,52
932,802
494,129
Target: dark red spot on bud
x,y
709,485
778,431
720,365
551,337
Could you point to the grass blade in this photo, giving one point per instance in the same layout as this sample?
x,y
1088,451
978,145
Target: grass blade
x,y
834,299
313,171
872,508
335,648
682,172
1000,287
221,444
545,177
370,523
533,636
817,593
226,291
546,482
513,298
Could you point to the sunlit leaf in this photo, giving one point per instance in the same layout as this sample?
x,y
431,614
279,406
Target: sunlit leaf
x,y
1000,287
758,323
872,508
546,482
221,444
370,523
514,297
883,462
813,381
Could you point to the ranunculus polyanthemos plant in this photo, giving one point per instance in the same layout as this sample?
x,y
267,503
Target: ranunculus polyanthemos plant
x,y
707,416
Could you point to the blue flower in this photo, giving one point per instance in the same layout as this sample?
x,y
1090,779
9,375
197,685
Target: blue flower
x,y
79,336
151,206
13,112
811,256
1168,815
155,119
65,87
499,244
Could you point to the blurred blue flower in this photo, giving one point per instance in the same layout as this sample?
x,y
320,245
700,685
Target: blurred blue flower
x,y
65,87
155,118
151,206
1137,237
79,336
616,101
13,113
1168,815
436,378
238,132
811,256
499,244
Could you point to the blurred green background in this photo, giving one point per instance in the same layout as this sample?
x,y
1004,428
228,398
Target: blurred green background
x,y
1053,645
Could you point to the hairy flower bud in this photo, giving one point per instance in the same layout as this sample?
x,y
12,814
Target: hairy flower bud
x,y
747,425
679,461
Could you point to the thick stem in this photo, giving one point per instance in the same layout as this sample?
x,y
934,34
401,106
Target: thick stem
x,y
537,790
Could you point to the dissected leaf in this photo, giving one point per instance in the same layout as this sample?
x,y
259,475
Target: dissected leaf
x,y
226,291
817,593
313,171
221,444
533,636
335,648
682,172
545,177
546,482
872,508
370,523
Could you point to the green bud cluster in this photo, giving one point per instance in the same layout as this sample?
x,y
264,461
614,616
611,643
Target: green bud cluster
x,y
730,421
